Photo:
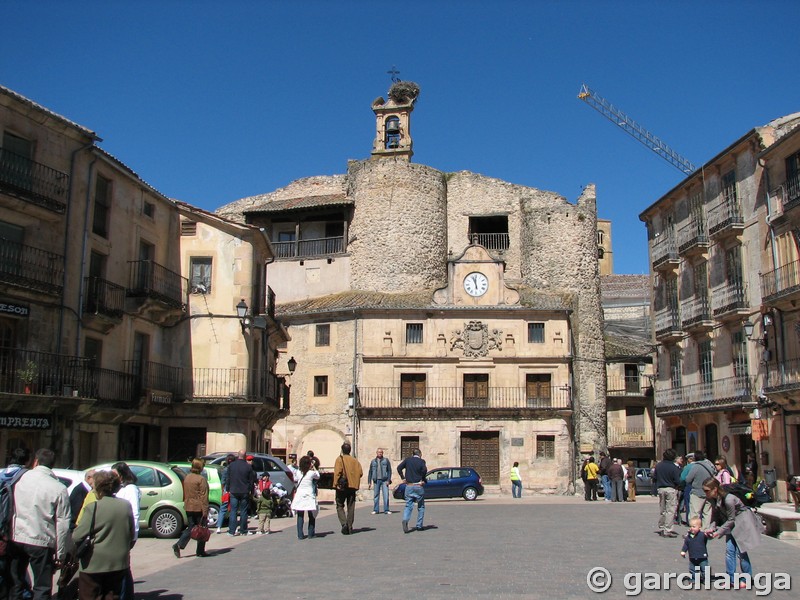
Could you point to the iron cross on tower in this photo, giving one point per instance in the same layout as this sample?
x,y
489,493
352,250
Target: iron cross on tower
x,y
394,73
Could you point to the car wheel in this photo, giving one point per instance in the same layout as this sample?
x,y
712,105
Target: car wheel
x,y
166,523
470,493
213,514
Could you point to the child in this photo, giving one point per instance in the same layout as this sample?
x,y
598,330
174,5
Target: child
x,y
264,504
695,542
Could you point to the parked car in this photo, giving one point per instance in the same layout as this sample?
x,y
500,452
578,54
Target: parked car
x,y
212,474
278,471
449,482
161,508
69,477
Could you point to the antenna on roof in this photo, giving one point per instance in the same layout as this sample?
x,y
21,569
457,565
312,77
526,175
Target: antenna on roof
x,y
394,73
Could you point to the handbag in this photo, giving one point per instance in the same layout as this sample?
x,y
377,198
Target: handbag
x,y
341,483
86,543
201,533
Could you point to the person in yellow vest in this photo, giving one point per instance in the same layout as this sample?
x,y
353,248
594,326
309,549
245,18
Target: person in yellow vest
x,y
516,482
591,469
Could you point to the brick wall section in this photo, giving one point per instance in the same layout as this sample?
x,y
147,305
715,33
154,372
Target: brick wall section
x,y
398,236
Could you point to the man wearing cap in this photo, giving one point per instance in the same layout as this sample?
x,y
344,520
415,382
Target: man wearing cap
x,y
241,483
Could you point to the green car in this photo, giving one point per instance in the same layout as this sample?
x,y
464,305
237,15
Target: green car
x,y
161,507
212,473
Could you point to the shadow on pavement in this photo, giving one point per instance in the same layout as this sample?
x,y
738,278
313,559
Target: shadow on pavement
x,y
158,595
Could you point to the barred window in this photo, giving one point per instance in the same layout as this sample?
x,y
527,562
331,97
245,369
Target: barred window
x,y
545,446
536,333
320,385
323,336
413,333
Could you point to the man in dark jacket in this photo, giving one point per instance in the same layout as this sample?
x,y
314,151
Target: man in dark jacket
x,y
78,495
605,462
668,480
616,476
241,482
412,471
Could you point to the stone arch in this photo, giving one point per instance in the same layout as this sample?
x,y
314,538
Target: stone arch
x,y
325,441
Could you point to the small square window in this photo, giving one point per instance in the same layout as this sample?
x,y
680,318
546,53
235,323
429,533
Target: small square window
x,y
413,333
536,333
320,385
149,209
323,337
545,447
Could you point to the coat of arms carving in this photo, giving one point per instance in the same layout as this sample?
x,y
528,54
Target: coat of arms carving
x,y
476,340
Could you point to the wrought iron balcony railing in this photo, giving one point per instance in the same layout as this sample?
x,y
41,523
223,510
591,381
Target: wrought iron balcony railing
x,y
782,376
148,279
619,437
695,310
664,250
692,235
729,297
30,268
723,215
32,181
789,193
491,241
454,398
103,297
46,374
309,248
721,394
628,385
781,282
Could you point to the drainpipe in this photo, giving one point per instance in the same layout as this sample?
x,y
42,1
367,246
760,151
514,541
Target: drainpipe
x,y
355,375
66,242
84,243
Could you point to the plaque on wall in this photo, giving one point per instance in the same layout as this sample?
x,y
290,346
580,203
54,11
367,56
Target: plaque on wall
x,y
517,441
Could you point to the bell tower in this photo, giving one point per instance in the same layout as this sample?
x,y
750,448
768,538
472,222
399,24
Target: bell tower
x,y
393,121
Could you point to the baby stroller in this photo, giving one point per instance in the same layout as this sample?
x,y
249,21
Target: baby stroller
x,y
281,501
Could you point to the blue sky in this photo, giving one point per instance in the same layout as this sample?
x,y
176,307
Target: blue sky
x,y
214,101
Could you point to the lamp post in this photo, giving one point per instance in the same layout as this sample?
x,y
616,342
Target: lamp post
x,y
241,312
292,364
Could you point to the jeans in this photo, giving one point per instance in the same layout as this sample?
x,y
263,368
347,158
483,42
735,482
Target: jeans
x,y
668,503
380,485
40,560
606,483
239,504
415,494
516,488
699,566
617,491
731,551
312,524
223,510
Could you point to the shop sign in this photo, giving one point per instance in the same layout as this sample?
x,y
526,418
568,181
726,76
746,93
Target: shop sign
x,y
760,429
18,310
12,421
159,397
726,443
740,429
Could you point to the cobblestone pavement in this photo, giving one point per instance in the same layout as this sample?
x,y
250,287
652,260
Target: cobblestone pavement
x,y
536,547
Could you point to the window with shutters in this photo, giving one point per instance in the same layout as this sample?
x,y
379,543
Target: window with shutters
x,y
413,333
320,385
323,335
538,390
476,390
412,390
188,228
545,447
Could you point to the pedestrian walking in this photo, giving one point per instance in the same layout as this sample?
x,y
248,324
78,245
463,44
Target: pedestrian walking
x,y
241,482
380,474
195,499
348,467
516,482
723,474
39,527
668,479
412,472
694,544
305,497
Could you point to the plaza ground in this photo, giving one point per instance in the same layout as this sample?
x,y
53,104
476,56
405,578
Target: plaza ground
x,y
536,547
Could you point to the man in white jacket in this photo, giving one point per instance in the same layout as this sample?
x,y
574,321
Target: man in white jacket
x,y
39,527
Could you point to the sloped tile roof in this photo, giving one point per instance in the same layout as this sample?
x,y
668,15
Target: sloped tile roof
x,y
624,286
621,347
300,203
27,101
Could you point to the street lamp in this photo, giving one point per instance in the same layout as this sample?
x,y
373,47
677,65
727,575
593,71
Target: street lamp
x,y
749,329
241,312
292,364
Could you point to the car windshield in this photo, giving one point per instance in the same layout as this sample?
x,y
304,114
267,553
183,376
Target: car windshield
x,y
180,473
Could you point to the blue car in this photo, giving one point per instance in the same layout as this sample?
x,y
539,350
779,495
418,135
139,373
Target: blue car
x,y
449,482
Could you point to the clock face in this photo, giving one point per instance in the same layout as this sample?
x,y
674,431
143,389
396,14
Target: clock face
x,y
476,284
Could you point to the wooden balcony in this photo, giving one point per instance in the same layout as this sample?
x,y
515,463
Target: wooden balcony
x,y
451,403
33,182
723,394
320,247
628,385
29,268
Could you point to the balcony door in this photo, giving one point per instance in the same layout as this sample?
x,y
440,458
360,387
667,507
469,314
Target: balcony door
x,y
11,238
16,161
476,390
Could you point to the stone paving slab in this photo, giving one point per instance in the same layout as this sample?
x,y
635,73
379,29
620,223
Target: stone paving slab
x,y
536,547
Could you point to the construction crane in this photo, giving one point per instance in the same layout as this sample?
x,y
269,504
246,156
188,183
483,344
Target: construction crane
x,y
631,127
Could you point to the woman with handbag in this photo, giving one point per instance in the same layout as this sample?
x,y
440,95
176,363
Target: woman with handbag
x,y
108,531
195,500
305,497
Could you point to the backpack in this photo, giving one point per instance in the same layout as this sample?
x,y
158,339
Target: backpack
x,y
746,494
7,483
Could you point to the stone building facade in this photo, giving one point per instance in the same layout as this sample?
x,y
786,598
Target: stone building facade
x,y
449,311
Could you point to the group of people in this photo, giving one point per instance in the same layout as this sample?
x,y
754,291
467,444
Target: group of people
x,y
618,480
46,522
713,512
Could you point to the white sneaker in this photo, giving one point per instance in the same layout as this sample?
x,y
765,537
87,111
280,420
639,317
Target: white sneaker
x,y
252,533
219,529
262,533
374,513
388,512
